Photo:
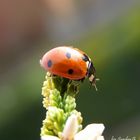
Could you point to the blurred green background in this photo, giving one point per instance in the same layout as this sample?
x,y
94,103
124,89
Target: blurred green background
x,y
108,31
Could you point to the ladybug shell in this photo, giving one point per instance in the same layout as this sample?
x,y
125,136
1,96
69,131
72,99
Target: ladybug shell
x,y
66,62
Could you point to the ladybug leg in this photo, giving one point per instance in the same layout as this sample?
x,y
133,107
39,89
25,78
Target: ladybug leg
x,y
70,81
82,80
73,88
77,82
54,75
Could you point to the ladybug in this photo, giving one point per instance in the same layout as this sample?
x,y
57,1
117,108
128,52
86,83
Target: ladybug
x,y
69,62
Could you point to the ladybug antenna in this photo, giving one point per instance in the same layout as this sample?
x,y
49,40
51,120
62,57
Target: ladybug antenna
x,y
93,80
94,83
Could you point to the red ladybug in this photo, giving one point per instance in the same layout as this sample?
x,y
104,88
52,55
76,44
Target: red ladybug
x,y
69,62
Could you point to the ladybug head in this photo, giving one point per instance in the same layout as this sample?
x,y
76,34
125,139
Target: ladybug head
x,y
91,74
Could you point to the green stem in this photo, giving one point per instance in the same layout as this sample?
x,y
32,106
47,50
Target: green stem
x,y
59,101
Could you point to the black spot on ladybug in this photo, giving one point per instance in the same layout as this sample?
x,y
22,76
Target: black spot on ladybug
x,y
70,71
68,55
49,63
85,57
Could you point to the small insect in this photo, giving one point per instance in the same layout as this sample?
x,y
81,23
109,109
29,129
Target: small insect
x,y
69,62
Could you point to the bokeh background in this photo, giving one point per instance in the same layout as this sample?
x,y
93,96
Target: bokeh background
x,y
107,30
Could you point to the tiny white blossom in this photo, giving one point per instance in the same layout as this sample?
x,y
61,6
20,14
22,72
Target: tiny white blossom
x,y
91,132
48,137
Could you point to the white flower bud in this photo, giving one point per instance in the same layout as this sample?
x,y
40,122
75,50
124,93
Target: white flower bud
x,y
70,128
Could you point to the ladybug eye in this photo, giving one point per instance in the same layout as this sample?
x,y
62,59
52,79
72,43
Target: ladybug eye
x,y
85,58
